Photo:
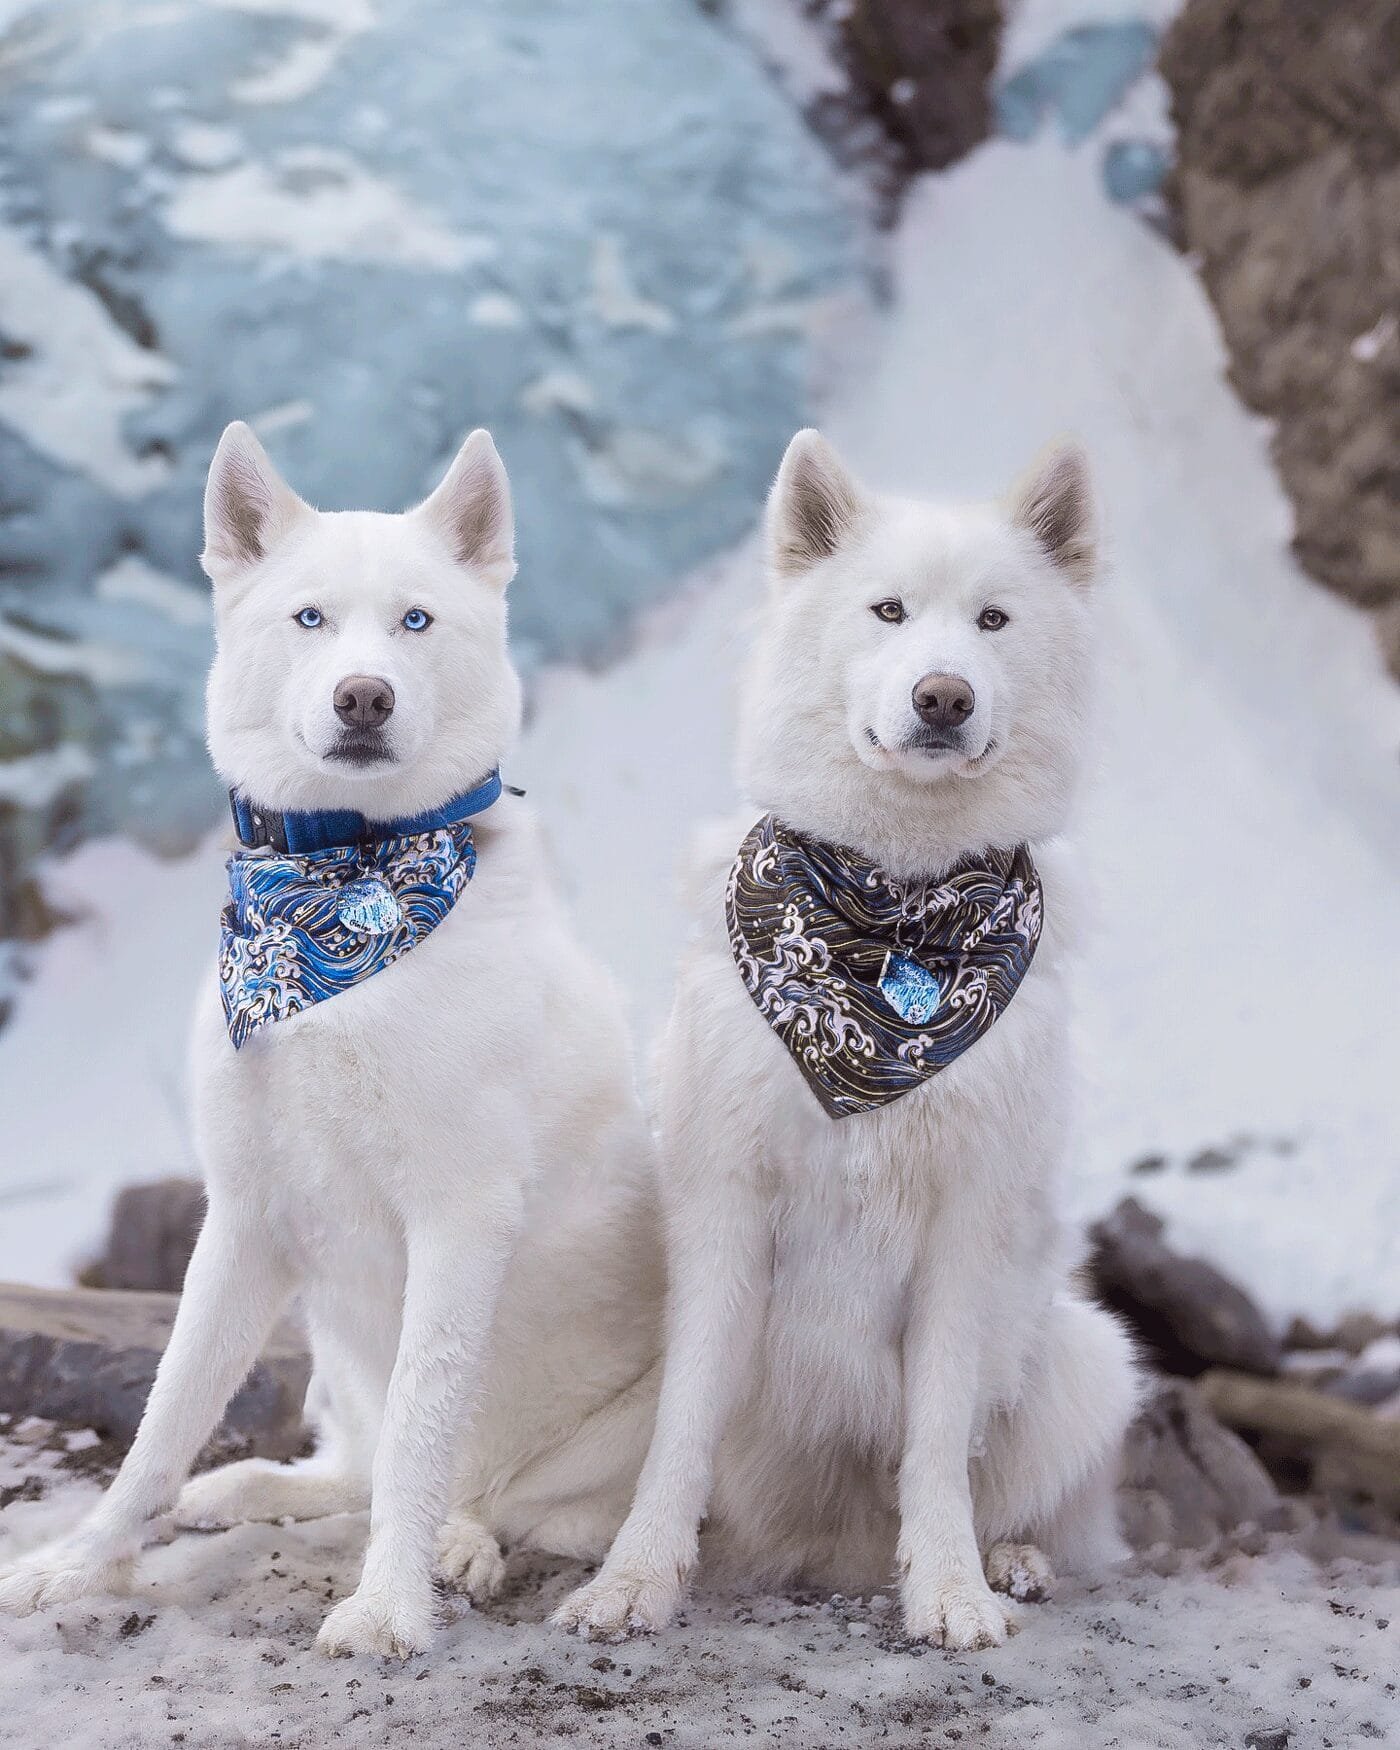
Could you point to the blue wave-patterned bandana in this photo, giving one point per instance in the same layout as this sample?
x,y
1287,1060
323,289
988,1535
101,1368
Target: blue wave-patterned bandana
x,y
299,929
873,984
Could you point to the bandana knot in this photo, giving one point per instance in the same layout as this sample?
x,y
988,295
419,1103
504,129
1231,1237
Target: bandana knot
x,y
871,983
299,929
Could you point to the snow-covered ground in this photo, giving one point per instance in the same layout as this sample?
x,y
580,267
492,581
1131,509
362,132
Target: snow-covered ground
x,y
1240,825
213,1650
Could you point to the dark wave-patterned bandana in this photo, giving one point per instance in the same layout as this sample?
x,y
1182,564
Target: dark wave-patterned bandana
x,y
874,984
299,929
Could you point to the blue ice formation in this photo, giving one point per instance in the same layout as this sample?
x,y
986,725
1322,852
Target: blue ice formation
x,y
1079,79
1134,170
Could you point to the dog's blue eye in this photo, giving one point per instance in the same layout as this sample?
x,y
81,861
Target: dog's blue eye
x,y
310,618
416,620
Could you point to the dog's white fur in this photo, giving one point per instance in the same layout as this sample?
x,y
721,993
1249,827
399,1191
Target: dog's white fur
x,y
446,1162
876,1353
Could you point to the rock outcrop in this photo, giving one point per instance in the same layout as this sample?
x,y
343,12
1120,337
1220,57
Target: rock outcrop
x,y
1186,1479
1188,1315
151,1236
87,1357
923,69
1288,190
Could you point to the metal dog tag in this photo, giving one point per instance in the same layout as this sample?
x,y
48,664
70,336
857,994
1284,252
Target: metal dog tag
x,y
368,906
911,990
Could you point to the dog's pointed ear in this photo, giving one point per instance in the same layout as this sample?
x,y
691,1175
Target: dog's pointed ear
x,y
248,506
471,511
1054,501
813,508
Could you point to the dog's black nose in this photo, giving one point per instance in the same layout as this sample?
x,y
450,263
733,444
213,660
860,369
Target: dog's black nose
x,y
364,701
944,701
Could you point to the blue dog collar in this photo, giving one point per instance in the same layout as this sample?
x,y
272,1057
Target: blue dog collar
x,y
299,833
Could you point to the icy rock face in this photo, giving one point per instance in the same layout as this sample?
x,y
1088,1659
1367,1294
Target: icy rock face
x,y
603,232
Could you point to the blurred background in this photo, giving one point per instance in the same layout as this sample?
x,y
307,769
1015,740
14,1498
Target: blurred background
x,y
643,241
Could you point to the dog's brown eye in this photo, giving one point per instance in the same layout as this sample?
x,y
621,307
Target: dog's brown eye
x,y
992,619
891,610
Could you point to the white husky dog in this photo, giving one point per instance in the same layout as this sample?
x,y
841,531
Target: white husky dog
x,y
446,1161
876,1357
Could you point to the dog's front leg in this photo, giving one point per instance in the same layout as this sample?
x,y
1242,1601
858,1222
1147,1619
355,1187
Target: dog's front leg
x,y
234,1289
718,1262
456,1263
946,1596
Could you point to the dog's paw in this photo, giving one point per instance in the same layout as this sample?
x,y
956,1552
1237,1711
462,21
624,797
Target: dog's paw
x,y
470,1559
1021,1571
959,1613
57,1575
615,1605
220,1498
381,1625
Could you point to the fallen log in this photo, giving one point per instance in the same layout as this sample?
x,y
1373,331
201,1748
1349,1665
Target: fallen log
x,y
1348,1445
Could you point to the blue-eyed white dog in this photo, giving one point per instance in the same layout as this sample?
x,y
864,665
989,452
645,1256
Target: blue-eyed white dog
x,y
412,1093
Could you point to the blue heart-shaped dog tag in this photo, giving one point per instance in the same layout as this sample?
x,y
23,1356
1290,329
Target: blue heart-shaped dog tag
x,y
911,990
368,906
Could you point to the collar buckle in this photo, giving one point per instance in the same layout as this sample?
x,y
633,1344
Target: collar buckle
x,y
257,827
